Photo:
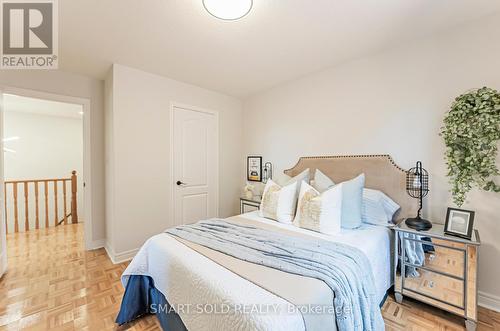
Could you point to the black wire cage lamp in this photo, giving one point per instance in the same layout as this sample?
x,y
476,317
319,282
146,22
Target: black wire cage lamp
x,y
417,186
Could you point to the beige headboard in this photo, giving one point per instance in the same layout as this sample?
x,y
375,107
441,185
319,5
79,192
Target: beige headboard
x,y
381,173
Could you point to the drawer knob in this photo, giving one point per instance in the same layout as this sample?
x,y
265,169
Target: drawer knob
x,y
431,284
432,257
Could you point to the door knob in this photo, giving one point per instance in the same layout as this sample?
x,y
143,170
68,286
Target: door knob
x,y
179,183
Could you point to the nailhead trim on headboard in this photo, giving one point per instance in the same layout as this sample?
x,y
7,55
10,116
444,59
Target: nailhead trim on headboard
x,y
348,156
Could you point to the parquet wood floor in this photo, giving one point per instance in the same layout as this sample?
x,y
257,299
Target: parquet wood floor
x,y
52,283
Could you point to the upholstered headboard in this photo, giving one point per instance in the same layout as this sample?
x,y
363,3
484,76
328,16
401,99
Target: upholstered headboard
x,y
381,173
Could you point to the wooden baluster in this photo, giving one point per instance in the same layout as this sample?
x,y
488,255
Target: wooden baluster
x,y
26,210
5,207
37,220
74,206
46,191
36,182
16,220
65,208
56,221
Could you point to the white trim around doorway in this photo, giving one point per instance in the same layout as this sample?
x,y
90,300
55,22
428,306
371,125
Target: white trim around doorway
x,y
87,177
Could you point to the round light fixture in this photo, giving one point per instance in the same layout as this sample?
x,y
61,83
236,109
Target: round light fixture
x,y
228,9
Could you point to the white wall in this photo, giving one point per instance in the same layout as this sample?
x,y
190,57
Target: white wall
x,y
138,156
392,102
48,147
63,83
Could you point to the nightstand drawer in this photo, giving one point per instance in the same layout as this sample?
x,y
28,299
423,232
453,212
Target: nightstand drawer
x,y
248,205
443,256
437,286
446,260
246,208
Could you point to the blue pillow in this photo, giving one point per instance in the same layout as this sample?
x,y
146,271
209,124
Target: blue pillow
x,y
352,202
378,208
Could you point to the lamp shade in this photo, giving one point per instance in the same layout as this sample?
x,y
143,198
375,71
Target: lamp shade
x,y
417,186
417,181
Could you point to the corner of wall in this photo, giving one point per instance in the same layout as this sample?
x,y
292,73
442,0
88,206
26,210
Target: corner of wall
x,y
109,161
117,258
109,250
96,244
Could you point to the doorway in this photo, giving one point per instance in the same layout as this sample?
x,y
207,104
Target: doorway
x,y
195,158
45,168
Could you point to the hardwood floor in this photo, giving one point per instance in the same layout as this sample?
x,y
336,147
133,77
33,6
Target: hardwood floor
x,y
53,283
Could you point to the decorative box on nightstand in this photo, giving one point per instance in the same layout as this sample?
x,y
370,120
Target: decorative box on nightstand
x,y
438,269
248,205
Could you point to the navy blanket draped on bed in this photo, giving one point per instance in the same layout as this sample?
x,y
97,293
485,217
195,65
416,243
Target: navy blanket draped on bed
x,y
142,298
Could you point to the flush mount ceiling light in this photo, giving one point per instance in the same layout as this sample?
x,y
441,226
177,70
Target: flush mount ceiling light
x,y
228,9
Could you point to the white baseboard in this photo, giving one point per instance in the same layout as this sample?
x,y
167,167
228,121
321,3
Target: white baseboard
x,y
489,301
121,256
109,251
100,243
3,263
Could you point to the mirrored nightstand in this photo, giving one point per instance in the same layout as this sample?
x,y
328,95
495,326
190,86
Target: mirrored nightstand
x,y
248,205
438,269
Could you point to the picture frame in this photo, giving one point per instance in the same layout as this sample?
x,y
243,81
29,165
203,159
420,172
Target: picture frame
x,y
254,168
459,222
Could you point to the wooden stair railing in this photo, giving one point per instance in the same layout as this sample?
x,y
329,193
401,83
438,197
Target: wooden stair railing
x,y
26,185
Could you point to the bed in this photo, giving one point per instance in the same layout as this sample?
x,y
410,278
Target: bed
x,y
191,286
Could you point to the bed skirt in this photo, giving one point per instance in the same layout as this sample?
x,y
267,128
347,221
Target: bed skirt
x,y
142,298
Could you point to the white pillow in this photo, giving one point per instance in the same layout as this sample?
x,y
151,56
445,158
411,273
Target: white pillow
x,y
319,212
278,203
287,180
378,208
321,181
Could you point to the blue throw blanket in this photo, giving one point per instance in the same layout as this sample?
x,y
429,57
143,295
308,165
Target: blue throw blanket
x,y
414,252
345,269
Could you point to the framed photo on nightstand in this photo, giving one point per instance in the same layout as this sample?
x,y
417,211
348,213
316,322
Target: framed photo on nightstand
x,y
459,222
254,168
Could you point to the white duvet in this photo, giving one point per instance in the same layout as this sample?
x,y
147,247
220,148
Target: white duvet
x,y
201,290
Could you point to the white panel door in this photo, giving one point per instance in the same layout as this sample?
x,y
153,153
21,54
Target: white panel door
x,y
3,239
195,162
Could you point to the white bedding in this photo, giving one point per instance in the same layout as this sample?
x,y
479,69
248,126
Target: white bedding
x,y
188,279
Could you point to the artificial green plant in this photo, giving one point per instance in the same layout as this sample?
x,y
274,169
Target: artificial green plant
x,y
471,132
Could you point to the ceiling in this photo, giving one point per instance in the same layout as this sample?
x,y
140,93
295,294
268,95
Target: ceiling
x,y
278,41
16,103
